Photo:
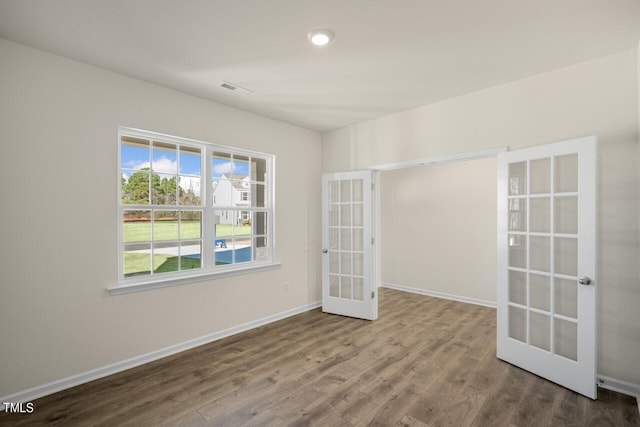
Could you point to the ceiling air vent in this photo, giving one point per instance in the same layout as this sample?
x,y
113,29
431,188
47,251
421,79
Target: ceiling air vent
x,y
235,88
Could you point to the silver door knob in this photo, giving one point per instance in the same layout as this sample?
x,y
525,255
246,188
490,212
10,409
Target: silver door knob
x,y
584,280
324,251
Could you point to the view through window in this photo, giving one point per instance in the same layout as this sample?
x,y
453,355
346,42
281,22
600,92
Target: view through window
x,y
190,207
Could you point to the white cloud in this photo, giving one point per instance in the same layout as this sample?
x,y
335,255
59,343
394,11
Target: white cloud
x,y
161,165
164,165
221,168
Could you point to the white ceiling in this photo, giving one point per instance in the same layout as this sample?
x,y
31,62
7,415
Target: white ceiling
x,y
387,56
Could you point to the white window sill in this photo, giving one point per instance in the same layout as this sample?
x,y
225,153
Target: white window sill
x,y
127,288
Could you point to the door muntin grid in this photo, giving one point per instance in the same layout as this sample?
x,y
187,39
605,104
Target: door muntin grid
x,y
542,200
346,239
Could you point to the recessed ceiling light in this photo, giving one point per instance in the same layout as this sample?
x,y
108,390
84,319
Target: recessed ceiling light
x,y
320,37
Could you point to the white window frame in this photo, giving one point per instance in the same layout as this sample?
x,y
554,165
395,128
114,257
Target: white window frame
x,y
208,269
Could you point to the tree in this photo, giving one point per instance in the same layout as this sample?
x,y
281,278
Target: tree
x,y
135,190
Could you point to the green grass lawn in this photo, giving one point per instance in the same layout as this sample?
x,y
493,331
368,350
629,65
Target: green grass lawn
x,y
135,263
140,231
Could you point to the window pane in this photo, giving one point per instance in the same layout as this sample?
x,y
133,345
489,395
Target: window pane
x,y
165,225
190,224
566,339
566,297
241,165
345,239
260,222
540,292
259,171
566,256
517,251
345,215
240,192
334,262
518,287
345,263
260,249
540,330
334,286
259,196
165,257
358,264
245,221
223,237
518,214
345,190
242,241
358,288
566,178
334,191
164,159
345,287
540,216
541,176
134,153
137,260
566,215
190,255
189,191
136,226
357,214
358,238
540,254
221,165
334,238
165,188
518,324
357,190
517,178
190,161
334,215
222,190
223,223
134,186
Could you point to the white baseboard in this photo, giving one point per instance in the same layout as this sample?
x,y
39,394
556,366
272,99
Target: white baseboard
x,y
620,387
74,380
438,294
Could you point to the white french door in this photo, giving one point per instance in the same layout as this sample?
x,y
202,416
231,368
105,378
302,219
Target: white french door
x,y
348,271
547,262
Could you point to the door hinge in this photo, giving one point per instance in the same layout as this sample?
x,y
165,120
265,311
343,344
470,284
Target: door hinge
x,y
373,240
373,294
373,187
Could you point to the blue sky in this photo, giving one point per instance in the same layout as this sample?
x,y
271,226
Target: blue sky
x,y
166,161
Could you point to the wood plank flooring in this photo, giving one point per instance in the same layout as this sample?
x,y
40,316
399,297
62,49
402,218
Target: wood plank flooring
x,y
425,362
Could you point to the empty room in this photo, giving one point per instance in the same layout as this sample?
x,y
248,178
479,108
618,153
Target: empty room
x,y
347,213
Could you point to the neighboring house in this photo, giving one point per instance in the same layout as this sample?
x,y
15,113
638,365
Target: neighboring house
x,y
232,190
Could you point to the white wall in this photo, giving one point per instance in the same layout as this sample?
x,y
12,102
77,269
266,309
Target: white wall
x,y
594,98
58,228
439,228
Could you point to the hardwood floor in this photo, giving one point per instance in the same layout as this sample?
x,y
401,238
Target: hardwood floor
x,y
425,362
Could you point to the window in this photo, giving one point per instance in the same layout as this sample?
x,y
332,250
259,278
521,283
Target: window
x,y
188,208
